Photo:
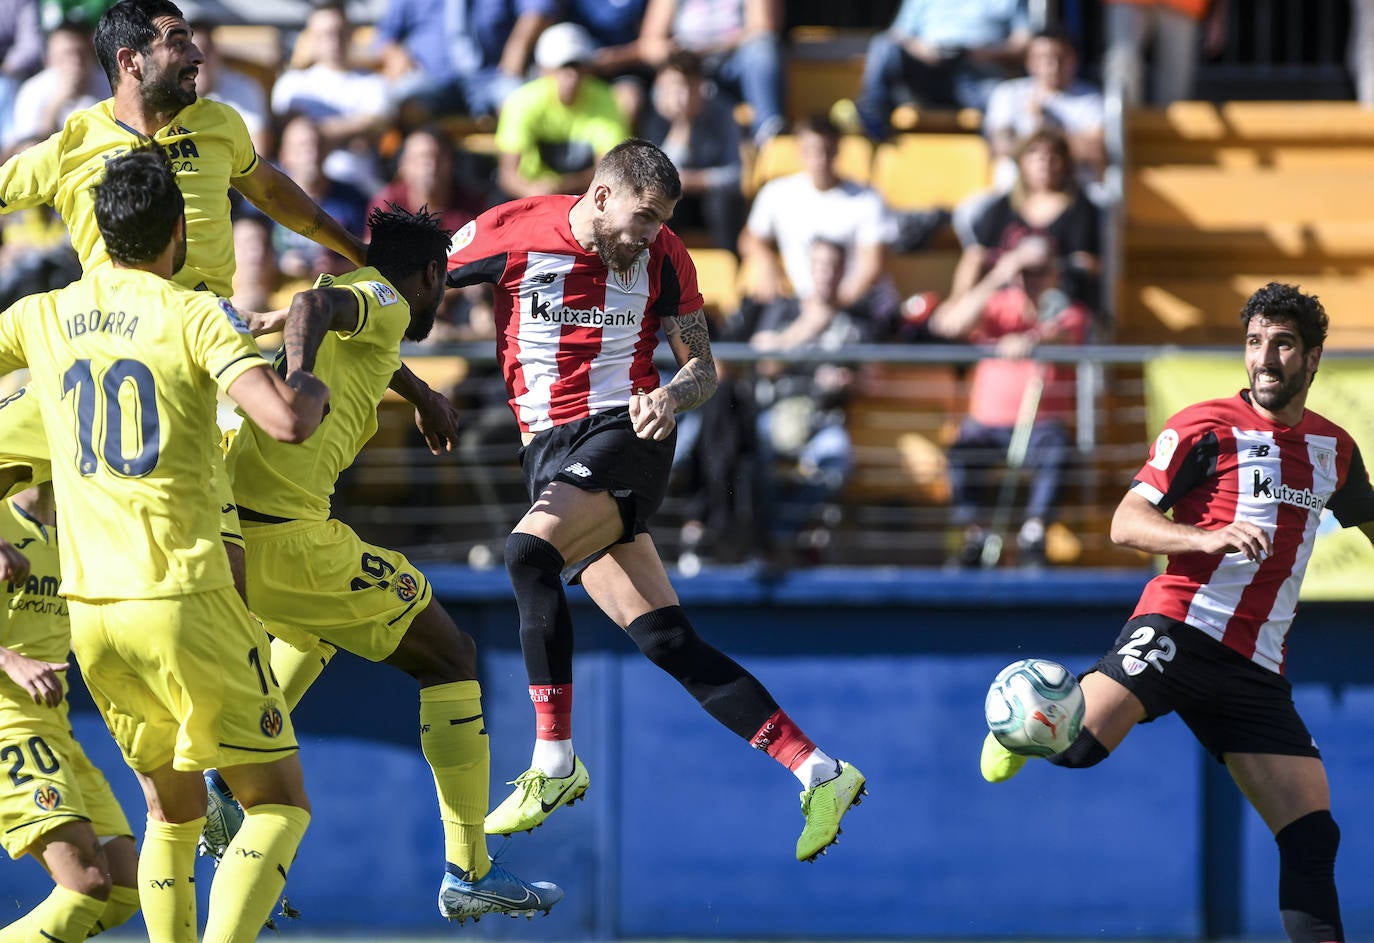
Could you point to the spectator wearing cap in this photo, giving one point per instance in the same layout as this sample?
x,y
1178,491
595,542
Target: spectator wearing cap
x,y
553,128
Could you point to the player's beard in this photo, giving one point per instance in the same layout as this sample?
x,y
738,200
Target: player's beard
x,y
164,92
421,323
1275,398
179,253
617,255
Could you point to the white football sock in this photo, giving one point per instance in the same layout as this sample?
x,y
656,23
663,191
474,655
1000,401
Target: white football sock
x,y
553,757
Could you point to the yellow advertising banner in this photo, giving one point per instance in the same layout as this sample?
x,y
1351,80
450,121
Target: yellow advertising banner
x,y
1342,565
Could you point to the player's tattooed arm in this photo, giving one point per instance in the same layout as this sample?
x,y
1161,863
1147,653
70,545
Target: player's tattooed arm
x,y
313,313
695,380
281,198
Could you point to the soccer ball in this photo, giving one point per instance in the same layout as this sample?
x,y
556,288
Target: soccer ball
x,y
1034,707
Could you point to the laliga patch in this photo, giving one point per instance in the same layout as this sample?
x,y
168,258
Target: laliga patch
x,y
385,294
405,587
234,317
1133,665
46,797
463,238
1165,446
271,722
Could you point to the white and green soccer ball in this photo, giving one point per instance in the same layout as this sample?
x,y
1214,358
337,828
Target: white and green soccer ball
x,y
1034,707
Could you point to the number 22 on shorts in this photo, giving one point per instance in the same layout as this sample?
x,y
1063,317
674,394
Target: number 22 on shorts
x,y
1161,650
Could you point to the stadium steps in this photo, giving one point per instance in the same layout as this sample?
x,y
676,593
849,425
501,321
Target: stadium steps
x,y
1220,199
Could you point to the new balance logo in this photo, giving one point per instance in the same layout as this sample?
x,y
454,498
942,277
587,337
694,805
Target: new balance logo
x,y
578,469
1262,483
544,278
1258,451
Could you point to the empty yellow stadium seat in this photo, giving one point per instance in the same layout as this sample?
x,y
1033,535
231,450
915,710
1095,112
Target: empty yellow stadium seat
x,y
779,156
920,170
718,278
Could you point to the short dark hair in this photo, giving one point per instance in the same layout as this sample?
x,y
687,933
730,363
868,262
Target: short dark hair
x,y
128,25
403,242
818,123
684,61
643,167
137,205
1057,34
1278,301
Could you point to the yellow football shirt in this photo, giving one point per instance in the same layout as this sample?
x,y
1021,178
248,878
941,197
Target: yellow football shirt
x,y
124,366
22,442
296,481
208,145
36,623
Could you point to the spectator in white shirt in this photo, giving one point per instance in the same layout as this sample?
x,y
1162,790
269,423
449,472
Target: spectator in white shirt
x,y
349,106
69,81
1049,96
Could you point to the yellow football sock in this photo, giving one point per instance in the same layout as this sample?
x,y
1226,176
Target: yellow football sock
x,y
167,880
453,737
296,670
252,874
122,905
64,916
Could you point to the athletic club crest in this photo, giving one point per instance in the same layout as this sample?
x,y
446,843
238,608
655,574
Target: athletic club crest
x,y
406,587
1325,460
46,797
271,721
630,277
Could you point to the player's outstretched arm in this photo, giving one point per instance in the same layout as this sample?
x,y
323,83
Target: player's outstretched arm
x,y
312,314
39,678
281,198
1139,524
288,410
435,416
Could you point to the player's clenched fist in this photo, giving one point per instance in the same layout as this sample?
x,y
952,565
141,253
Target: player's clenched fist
x,y
651,414
1242,536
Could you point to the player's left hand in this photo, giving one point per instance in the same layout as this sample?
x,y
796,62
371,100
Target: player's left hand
x,y
437,420
265,322
652,414
39,678
14,566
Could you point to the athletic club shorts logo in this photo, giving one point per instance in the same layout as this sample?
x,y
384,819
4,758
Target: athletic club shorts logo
x,y
271,721
1132,665
46,797
406,587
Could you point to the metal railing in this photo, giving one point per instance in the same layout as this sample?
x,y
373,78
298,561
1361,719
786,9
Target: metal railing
x,y
893,510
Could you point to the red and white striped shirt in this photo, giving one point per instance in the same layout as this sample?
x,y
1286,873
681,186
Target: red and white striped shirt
x,y
1221,461
573,337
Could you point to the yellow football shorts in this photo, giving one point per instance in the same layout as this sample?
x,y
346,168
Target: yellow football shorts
x,y
46,780
318,579
185,680
23,444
